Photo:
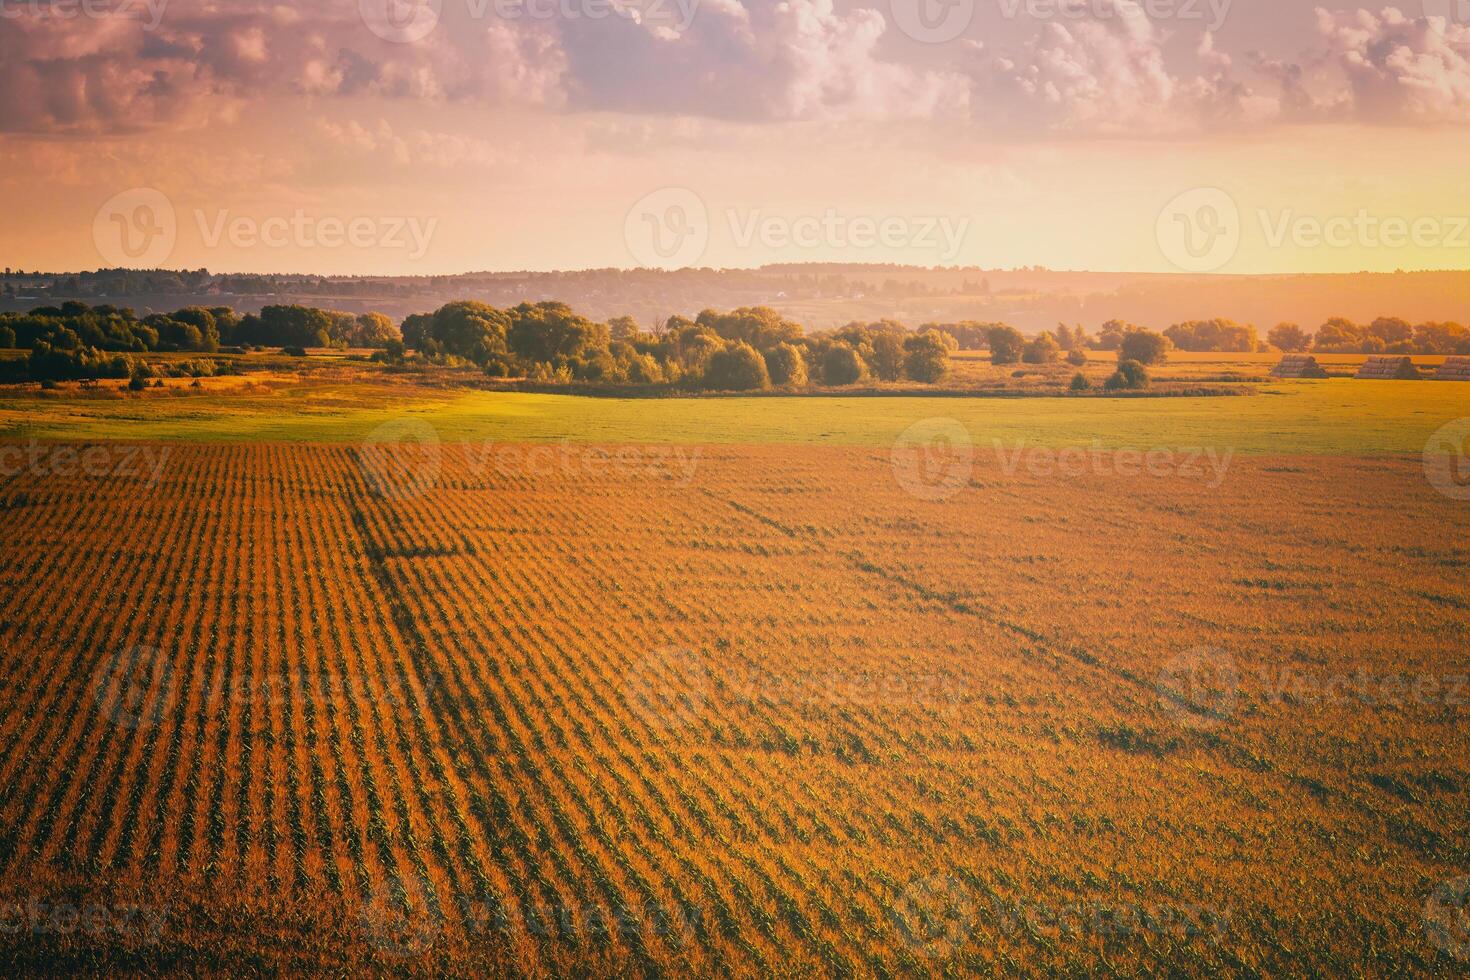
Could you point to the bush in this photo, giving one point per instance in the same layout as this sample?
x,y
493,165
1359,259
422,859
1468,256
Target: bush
x,y
786,366
1043,350
887,357
1006,344
1076,357
293,351
738,367
137,383
644,370
1130,376
841,365
1143,346
927,357
1080,382
7,338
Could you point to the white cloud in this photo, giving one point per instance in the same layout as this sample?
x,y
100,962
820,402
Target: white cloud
x,y
1104,74
1398,68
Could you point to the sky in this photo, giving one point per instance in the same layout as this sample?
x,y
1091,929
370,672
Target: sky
x,y
442,136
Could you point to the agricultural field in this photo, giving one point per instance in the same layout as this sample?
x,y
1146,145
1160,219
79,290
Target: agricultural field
x,y
658,708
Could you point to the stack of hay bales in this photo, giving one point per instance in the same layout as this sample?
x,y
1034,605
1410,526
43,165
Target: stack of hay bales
x,y
1454,369
1298,366
1393,367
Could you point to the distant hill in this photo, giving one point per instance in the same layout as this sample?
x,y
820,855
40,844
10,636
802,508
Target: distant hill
x,y
818,295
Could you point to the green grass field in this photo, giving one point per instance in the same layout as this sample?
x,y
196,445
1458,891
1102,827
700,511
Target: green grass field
x,y
1337,416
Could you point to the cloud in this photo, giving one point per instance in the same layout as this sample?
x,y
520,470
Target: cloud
x,y
418,148
108,74
1400,69
761,60
88,73
1104,73
1106,69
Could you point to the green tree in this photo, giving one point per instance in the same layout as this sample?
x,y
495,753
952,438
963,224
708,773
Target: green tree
x,y
1110,335
643,369
1130,376
739,367
548,330
468,329
1006,344
623,328
1391,329
759,326
926,357
1340,335
373,330
1218,334
205,322
887,359
786,366
841,365
1042,350
1144,346
1288,337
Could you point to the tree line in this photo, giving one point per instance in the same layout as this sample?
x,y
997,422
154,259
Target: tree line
x,y
1338,335
749,348
745,349
75,341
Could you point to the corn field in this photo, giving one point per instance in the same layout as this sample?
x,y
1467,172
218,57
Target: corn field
x,y
312,708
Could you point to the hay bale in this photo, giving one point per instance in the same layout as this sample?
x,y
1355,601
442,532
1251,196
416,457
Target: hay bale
x,y
1298,366
1454,369
1389,367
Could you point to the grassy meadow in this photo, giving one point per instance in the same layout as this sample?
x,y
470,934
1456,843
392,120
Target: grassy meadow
x,y
333,400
